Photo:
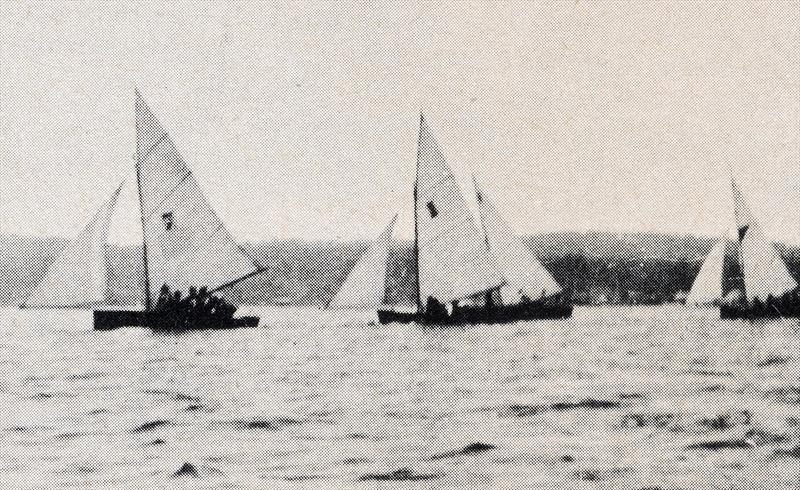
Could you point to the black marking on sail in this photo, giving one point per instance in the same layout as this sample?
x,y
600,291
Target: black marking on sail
x,y
479,196
167,218
743,232
432,209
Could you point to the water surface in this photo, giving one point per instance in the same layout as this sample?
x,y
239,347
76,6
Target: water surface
x,y
626,398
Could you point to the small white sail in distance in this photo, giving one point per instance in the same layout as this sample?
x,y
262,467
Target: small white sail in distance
x,y
523,272
765,273
78,277
453,261
365,285
187,244
707,286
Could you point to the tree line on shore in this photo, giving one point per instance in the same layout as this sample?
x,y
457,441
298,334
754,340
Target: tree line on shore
x,y
594,268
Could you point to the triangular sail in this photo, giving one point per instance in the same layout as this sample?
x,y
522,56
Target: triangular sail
x,y
524,274
78,277
365,285
707,286
453,261
765,273
187,244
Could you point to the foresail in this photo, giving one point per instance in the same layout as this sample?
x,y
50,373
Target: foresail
x,y
365,285
524,274
78,277
453,261
187,244
707,286
765,273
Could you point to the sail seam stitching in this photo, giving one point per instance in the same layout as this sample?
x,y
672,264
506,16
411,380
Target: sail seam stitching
x,y
152,147
168,195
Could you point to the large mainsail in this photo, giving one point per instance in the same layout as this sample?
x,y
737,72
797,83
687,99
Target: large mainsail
x,y
765,273
186,243
365,285
78,277
707,286
524,274
452,259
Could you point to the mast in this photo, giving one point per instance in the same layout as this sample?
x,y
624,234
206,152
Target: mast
x,y
147,301
416,232
740,232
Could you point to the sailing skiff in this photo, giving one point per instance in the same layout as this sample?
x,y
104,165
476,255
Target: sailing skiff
x,y
184,245
465,275
755,283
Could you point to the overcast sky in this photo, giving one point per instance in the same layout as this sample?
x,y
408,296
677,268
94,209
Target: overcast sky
x,y
300,120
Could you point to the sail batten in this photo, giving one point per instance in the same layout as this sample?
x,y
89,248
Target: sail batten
x,y
453,262
365,285
78,275
186,243
525,275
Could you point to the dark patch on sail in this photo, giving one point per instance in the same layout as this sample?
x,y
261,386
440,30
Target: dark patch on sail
x,y
148,426
403,474
432,209
743,232
474,448
168,220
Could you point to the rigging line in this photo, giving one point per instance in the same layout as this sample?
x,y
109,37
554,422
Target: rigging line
x,y
237,281
244,252
167,196
152,147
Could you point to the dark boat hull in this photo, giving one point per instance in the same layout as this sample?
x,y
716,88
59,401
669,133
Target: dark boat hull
x,y
159,320
737,312
497,314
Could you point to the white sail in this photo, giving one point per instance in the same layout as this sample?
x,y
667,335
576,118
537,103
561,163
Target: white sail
x,y
707,286
765,273
453,261
187,244
365,285
78,277
524,274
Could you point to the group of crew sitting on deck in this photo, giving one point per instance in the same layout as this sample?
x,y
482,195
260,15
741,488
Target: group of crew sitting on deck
x,y
787,305
199,306
435,311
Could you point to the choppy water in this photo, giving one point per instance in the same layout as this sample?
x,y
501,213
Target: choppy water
x,y
615,398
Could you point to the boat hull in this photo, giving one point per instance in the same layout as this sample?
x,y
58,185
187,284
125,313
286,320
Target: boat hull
x,y
497,314
160,320
736,312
